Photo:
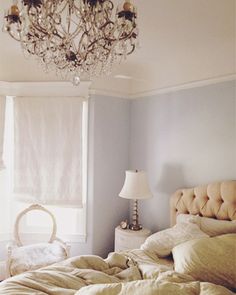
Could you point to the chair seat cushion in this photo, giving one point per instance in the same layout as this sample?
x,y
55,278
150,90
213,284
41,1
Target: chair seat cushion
x,y
35,256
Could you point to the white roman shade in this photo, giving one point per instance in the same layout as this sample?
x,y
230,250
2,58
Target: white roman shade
x,y
48,150
2,121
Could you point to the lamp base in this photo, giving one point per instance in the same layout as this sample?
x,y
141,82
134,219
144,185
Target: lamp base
x,y
135,226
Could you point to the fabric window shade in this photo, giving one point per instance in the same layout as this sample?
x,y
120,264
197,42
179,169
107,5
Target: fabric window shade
x,y
48,150
2,124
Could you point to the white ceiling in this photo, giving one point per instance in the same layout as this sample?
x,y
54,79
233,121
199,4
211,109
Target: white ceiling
x,y
181,41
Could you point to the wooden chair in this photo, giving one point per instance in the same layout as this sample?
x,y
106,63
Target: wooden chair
x,y
30,257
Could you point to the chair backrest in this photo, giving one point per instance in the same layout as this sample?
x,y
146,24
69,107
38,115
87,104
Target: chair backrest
x,y
31,208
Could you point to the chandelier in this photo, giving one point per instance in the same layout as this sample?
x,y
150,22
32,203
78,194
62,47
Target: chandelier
x,y
74,37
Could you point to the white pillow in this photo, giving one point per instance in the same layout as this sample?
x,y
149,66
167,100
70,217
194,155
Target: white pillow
x,y
35,256
188,218
209,260
210,226
162,243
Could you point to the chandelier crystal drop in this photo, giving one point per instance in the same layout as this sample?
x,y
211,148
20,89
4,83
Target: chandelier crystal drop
x,y
74,37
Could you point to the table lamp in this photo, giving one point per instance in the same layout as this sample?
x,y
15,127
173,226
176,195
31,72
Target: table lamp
x,y
135,188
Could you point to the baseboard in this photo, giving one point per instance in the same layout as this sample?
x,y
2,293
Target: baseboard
x,y
3,270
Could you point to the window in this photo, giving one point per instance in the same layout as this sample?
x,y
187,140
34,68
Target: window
x,y
71,221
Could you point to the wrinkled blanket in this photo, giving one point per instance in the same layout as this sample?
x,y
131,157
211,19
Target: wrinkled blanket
x,y
133,272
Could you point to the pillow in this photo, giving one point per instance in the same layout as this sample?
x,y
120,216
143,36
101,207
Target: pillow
x,y
162,243
188,218
35,256
209,259
210,226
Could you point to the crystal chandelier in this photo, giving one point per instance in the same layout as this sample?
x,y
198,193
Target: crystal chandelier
x,y
74,37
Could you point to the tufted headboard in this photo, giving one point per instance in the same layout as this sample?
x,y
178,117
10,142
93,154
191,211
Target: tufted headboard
x,y
216,200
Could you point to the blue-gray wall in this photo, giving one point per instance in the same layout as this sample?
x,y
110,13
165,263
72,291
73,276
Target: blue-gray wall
x,y
182,139
109,121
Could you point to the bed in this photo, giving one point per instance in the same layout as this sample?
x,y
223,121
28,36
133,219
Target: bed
x,y
183,259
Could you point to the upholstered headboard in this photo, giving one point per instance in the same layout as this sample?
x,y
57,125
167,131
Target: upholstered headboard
x,y
216,200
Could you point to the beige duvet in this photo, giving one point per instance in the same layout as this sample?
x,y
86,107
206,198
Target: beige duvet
x,y
130,273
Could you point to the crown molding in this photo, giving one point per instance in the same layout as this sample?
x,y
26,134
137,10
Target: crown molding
x,y
45,89
189,85
85,90
111,93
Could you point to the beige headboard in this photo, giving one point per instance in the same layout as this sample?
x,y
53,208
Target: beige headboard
x,y
216,200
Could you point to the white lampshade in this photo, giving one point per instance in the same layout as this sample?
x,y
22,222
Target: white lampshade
x,y
135,186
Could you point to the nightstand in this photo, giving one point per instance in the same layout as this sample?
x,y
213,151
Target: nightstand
x,y
126,239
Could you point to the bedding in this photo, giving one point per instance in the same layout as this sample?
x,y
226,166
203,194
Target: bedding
x,y
170,286
162,242
210,226
142,271
119,274
208,259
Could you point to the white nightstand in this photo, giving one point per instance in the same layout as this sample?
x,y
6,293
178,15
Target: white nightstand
x,y
126,239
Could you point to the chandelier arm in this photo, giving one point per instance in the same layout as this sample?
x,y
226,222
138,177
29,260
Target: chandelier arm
x,y
106,37
78,29
38,27
82,36
112,5
128,53
127,36
30,16
80,41
57,33
64,30
62,9
75,6
32,23
13,36
87,53
69,16
78,12
108,22
76,32
105,53
95,41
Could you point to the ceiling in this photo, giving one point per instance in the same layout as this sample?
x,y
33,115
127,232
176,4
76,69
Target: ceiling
x,y
182,41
